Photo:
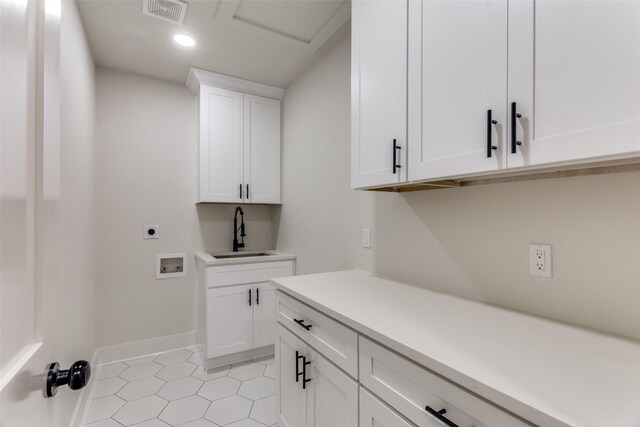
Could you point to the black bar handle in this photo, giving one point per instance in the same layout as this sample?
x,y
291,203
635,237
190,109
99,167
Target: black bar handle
x,y
514,135
490,123
249,297
439,415
247,191
396,147
301,323
240,186
305,380
257,296
298,373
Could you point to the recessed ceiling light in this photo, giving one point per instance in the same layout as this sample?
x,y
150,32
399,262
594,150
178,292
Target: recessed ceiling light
x,y
184,40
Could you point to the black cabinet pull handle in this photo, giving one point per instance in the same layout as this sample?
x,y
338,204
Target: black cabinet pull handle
x,y
257,296
396,147
514,138
298,373
439,415
490,123
247,191
249,297
305,380
240,186
301,323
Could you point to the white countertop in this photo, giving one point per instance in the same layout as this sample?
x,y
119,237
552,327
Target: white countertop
x,y
549,373
210,259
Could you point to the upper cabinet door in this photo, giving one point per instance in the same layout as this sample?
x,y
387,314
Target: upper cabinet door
x,y
261,149
457,74
221,145
378,93
574,74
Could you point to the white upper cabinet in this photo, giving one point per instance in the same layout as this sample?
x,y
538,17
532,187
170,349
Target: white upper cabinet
x,y
262,149
457,77
487,86
574,74
221,145
239,139
378,93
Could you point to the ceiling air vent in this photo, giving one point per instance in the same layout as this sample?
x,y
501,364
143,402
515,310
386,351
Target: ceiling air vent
x,y
167,10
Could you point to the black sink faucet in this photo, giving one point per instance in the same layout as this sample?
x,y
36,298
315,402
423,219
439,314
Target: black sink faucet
x,y
237,245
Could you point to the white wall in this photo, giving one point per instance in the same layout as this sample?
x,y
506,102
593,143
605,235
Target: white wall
x,y
471,242
146,174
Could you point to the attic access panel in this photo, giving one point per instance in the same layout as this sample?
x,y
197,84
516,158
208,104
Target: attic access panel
x,y
302,24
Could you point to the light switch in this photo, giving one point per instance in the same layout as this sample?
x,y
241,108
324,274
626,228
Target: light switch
x,y
366,238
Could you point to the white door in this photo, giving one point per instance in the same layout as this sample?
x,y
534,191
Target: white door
x,y
378,93
264,314
221,145
374,413
332,397
32,298
573,74
261,149
291,398
457,77
229,320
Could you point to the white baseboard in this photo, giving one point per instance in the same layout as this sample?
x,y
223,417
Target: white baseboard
x,y
132,350
120,352
82,405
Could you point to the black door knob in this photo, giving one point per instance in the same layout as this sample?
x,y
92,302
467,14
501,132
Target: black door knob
x,y
76,377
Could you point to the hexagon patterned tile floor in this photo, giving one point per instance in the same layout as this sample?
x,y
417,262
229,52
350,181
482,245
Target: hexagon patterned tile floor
x,y
173,389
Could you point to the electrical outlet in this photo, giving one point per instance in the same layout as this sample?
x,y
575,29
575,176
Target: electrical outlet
x,y
151,232
366,238
540,260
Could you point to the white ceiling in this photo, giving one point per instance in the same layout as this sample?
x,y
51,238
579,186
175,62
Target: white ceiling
x,y
267,41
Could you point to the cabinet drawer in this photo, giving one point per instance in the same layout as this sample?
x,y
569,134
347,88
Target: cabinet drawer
x,y
409,388
247,273
332,339
375,413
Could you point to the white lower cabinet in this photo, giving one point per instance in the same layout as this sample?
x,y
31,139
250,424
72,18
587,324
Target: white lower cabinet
x,y
332,397
240,311
291,399
311,391
264,314
240,318
374,413
230,327
422,396
388,390
335,341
